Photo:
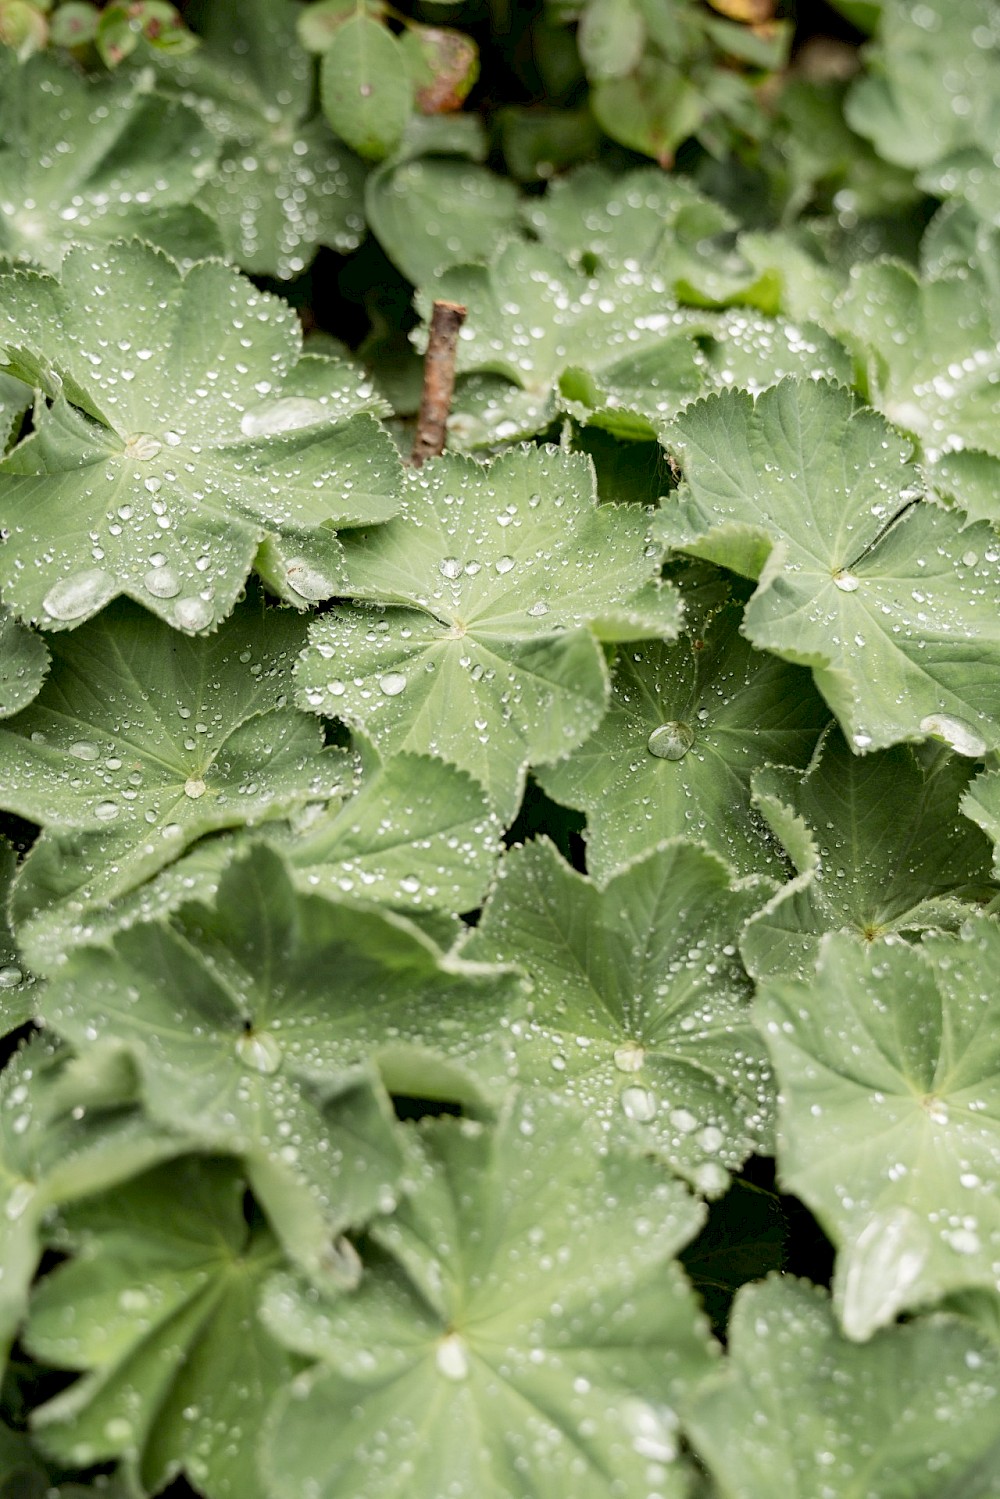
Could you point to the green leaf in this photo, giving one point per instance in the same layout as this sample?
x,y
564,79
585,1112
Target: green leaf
x,y
24,662
940,382
884,596
74,24
260,1021
90,159
516,1333
284,184
472,643
879,847
798,1409
651,111
981,802
50,1155
18,990
888,1074
142,742
744,350
430,212
158,1307
366,87
610,36
688,725
417,834
533,316
639,1011
180,451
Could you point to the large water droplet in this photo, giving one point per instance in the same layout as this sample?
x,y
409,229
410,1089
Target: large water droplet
x,y
961,736
194,787
284,415
392,683
142,445
83,749
83,593
638,1104
193,613
107,811
18,1199
260,1051
876,1273
162,583
671,741
342,1263
630,1057
10,976
450,567
845,581
307,581
452,1357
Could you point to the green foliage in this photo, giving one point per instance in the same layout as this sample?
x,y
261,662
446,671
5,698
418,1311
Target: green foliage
x,y
461,926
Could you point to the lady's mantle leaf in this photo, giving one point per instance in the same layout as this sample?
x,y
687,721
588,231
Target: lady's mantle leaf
x,y
284,185
144,741
892,604
50,1155
639,1010
800,1410
688,725
879,847
247,1019
981,802
520,1330
478,650
159,1308
90,159
24,662
171,448
18,991
889,1121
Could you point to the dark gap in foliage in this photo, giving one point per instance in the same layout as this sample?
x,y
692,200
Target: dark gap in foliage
x,y
561,824
27,1383
744,1237
10,1043
407,1107
18,831
810,1252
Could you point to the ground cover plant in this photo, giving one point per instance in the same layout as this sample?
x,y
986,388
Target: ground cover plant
x,y
499,957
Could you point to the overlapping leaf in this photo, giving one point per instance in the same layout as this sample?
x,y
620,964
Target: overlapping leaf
x,y
260,1021
687,727
172,446
894,606
142,741
799,1409
284,184
879,846
24,662
471,642
159,1309
639,1011
18,990
518,1330
98,159
50,1154
888,1067
981,802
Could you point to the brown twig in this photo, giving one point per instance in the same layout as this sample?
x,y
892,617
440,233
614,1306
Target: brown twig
x,y
439,381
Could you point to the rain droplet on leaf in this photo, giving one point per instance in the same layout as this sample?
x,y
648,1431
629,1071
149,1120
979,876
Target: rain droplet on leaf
x,y
671,741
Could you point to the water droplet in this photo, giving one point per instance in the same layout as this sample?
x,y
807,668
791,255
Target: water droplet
x,y
194,788
193,613
452,1357
285,415
537,610
342,1263
961,736
671,741
18,1199
107,811
638,1104
504,565
142,445
260,1051
878,1271
630,1057
307,581
83,593
709,1176
653,1431
84,750
964,1241
450,567
845,581
162,583
10,976
392,683
970,558
118,1430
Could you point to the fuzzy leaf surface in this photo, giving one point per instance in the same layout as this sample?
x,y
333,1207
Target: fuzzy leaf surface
x,y
18,990
478,649
888,1071
639,1013
514,1333
879,846
24,662
688,725
798,1405
158,1310
892,604
171,448
430,212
